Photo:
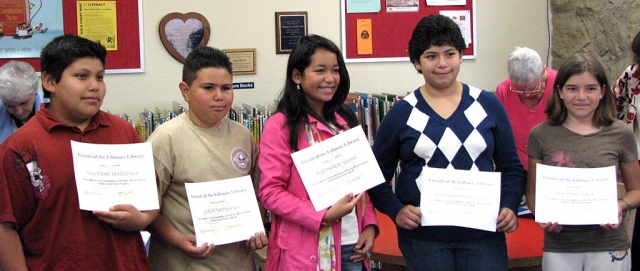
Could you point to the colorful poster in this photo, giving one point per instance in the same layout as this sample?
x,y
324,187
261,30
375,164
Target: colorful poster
x,y
26,27
98,22
365,37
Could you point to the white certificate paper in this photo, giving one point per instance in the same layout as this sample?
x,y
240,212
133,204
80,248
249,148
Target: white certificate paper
x,y
224,211
462,198
576,196
111,174
336,167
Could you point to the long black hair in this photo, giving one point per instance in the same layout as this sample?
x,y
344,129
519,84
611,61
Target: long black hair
x,y
293,102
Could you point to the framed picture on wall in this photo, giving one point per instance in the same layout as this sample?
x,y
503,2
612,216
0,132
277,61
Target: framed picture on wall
x,y
290,27
243,61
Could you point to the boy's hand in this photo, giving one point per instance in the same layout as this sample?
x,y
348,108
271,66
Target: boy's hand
x,y
188,247
126,217
258,241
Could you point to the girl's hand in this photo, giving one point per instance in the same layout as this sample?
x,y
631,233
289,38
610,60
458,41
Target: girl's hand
x,y
409,217
551,227
341,208
507,220
364,246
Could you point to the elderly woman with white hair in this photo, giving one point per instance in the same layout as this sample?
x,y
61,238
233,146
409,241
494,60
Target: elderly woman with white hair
x,y
19,94
524,96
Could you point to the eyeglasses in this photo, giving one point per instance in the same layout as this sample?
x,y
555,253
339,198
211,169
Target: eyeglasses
x,y
531,90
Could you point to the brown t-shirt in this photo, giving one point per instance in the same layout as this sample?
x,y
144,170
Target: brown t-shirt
x,y
185,153
558,146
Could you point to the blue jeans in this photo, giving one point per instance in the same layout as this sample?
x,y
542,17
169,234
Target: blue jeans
x,y
488,253
348,265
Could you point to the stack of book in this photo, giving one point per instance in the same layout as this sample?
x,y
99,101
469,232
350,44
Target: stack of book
x,y
371,109
252,117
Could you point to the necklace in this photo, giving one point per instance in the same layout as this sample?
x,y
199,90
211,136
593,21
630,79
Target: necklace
x,y
531,110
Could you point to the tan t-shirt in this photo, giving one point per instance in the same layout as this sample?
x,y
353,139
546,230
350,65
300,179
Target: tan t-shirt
x,y
184,153
559,146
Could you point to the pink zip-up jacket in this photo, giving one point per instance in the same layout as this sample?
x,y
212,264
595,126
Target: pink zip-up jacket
x,y
293,243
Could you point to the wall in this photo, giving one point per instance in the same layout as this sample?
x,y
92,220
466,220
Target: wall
x,y
604,29
501,25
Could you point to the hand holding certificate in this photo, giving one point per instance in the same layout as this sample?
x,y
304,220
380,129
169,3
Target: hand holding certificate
x,y
336,167
111,174
576,196
224,211
460,198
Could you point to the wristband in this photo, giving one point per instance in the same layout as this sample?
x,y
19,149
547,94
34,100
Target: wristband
x,y
628,203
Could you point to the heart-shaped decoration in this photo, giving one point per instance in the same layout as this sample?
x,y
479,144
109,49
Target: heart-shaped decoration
x,y
181,33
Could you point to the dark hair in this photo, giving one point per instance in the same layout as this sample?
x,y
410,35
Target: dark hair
x,y
204,57
434,30
635,48
64,50
556,110
293,102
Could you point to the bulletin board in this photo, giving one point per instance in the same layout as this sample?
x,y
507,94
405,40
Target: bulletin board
x,y
391,32
130,54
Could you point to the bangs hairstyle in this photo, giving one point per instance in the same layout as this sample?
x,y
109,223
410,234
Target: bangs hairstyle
x,y
434,30
293,101
556,110
64,50
204,57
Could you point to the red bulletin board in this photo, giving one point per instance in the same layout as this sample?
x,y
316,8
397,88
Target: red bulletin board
x,y
391,31
129,56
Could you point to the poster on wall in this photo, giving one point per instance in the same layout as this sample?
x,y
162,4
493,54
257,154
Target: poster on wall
x,y
402,6
446,2
26,27
97,21
463,19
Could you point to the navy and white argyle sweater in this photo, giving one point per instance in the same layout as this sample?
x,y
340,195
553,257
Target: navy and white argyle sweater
x,y
475,136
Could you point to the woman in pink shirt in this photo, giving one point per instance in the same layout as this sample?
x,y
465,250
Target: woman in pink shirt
x,y
524,96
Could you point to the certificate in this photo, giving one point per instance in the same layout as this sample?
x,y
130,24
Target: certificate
x,y
111,174
460,198
336,167
224,211
576,196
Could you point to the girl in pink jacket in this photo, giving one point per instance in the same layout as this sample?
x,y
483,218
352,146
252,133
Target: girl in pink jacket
x,y
311,109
